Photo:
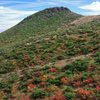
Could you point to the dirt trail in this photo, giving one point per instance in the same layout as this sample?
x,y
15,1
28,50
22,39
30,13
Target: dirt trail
x,y
61,63
85,19
45,38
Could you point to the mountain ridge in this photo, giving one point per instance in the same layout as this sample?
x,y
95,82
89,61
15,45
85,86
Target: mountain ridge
x,y
39,23
49,10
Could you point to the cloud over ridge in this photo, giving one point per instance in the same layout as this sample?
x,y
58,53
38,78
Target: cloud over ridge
x,y
10,17
95,6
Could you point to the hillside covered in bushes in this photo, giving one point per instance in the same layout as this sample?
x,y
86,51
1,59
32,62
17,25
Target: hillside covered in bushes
x,y
51,55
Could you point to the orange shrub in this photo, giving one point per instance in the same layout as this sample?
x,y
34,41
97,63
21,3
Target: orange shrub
x,y
83,94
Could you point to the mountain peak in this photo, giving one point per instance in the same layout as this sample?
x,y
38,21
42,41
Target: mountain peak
x,y
47,13
55,9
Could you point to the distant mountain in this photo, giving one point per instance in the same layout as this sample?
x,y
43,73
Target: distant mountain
x,y
40,23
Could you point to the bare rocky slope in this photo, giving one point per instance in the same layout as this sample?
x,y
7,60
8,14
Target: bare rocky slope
x,y
85,19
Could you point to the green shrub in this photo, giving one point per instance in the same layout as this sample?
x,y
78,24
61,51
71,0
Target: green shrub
x,y
37,80
80,65
68,89
68,72
68,96
38,93
68,66
98,60
47,67
98,53
83,77
57,82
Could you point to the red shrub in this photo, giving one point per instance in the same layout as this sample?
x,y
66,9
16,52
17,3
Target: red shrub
x,y
52,69
31,86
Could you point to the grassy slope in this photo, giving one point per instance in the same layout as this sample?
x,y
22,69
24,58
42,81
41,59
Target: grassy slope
x,y
77,79
35,25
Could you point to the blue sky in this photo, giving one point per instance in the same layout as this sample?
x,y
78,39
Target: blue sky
x,y
13,11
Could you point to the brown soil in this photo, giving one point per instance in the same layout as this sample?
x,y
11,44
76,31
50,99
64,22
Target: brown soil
x,y
85,19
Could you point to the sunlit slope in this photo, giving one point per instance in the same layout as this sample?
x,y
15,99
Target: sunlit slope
x,y
36,25
62,44
64,66
63,63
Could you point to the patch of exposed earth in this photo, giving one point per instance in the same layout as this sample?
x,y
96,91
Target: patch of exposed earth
x,y
85,19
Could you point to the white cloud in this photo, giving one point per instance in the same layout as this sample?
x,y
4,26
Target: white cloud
x,y
95,6
41,3
9,2
32,5
6,24
10,17
77,2
10,13
91,13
